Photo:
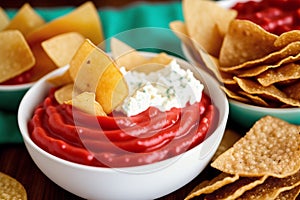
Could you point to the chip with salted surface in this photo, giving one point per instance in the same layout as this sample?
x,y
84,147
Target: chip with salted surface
x,y
270,92
289,194
236,189
286,72
207,187
270,147
245,41
272,187
11,188
276,56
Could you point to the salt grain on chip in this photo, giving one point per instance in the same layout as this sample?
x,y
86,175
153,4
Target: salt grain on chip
x,y
270,147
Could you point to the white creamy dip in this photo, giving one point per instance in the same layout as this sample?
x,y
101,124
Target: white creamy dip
x,y
164,89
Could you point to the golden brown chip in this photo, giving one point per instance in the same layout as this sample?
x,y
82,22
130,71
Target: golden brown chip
x,y
64,93
212,63
11,188
61,48
229,138
207,187
256,70
15,54
26,20
287,54
126,56
286,72
287,37
153,64
3,19
43,64
87,103
94,71
270,147
245,41
255,99
207,23
271,91
84,20
235,189
61,80
234,95
272,187
289,194
293,91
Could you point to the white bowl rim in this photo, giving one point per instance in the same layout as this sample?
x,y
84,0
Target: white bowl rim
x,y
26,137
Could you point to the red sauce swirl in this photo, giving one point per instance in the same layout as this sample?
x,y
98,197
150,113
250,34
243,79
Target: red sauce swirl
x,y
117,140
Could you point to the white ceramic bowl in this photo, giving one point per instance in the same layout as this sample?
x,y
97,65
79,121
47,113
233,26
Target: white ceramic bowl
x,y
141,182
11,95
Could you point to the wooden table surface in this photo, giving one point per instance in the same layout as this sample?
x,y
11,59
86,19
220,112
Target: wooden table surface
x,y
14,158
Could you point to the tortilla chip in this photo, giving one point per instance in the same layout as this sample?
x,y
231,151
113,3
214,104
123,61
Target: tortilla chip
x,y
207,23
11,188
43,64
272,187
245,41
61,80
270,92
256,100
287,37
293,91
15,55
26,20
3,19
257,70
229,138
87,103
234,95
84,20
289,194
207,187
64,93
286,72
126,56
276,56
62,48
270,147
236,189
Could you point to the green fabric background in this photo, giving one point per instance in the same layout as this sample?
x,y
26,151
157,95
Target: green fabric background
x,y
142,25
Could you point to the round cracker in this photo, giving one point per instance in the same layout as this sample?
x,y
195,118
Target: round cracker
x,y
11,189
